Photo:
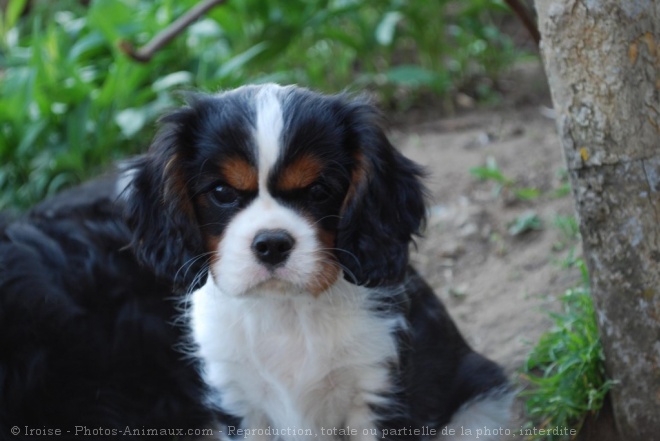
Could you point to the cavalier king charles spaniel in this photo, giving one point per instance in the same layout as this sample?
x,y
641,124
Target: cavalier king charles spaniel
x,y
252,268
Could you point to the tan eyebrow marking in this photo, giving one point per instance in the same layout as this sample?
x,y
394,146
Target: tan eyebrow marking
x,y
301,173
240,174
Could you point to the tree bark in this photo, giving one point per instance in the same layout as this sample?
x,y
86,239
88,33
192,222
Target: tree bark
x,y
602,58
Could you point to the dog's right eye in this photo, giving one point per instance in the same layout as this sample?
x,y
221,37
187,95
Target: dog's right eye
x,y
319,193
225,196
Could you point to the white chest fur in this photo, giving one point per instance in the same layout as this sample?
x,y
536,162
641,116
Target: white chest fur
x,y
296,362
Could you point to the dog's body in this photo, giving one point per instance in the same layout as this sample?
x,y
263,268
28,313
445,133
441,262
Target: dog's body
x,y
87,337
309,319
288,215
384,362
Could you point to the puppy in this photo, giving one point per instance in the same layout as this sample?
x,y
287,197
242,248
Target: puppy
x,y
290,215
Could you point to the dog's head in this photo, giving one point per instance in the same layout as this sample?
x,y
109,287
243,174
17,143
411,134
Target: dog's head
x,y
274,187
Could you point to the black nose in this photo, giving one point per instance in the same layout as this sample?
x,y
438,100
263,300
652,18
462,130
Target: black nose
x,y
272,247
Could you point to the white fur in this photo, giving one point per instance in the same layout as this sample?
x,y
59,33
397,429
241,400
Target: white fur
x,y
284,358
297,362
268,130
236,259
486,418
281,356
238,272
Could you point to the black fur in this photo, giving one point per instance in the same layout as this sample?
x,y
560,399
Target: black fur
x,y
437,371
379,209
374,229
388,208
89,285
166,239
87,337
437,362
160,210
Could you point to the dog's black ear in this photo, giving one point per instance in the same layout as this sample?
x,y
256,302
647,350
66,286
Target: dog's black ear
x,y
159,209
385,205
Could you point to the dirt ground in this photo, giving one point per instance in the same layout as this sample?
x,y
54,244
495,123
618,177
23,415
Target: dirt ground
x,y
496,286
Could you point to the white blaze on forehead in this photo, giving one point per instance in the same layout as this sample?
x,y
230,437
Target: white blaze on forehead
x,y
268,131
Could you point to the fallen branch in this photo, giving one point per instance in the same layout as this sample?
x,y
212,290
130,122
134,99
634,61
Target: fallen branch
x,y
146,52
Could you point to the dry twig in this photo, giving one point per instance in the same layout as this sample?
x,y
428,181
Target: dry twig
x,y
146,52
528,21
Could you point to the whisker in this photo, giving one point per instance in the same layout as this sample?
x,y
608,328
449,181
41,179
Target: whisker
x,y
200,274
326,217
190,262
211,224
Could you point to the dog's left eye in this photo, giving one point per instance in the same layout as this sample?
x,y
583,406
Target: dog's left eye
x,y
225,196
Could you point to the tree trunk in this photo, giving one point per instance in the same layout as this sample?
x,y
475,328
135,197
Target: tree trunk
x,y
602,58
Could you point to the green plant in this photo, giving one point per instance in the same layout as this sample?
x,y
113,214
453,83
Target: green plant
x,y
71,101
570,236
570,239
565,369
528,221
492,172
568,226
564,188
526,193
570,260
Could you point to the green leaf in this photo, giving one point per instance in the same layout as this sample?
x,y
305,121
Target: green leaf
x,y
13,12
489,174
89,42
527,194
30,135
131,121
76,128
387,28
60,181
237,62
110,17
524,223
411,75
172,80
563,190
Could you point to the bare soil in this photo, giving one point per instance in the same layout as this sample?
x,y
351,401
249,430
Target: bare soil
x,y
497,286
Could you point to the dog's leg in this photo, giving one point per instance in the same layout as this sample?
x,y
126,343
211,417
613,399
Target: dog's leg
x,y
255,427
362,420
486,418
